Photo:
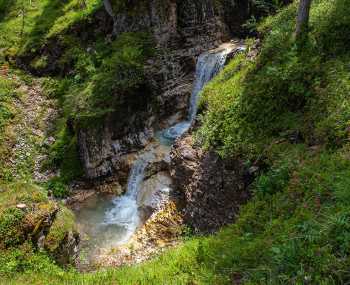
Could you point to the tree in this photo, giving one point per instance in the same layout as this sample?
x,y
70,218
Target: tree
x,y
108,6
303,19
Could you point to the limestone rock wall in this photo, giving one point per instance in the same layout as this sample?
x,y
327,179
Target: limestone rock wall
x,y
183,29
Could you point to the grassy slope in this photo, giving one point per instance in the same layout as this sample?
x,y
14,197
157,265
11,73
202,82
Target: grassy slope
x,y
98,72
288,108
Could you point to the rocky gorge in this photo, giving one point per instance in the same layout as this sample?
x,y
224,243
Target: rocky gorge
x,y
183,178
174,142
182,31
150,194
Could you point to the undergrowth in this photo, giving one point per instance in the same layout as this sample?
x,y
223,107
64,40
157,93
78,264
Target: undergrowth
x,y
288,108
285,92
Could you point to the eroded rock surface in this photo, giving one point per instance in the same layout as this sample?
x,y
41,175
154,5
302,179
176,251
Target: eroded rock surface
x,y
212,189
182,31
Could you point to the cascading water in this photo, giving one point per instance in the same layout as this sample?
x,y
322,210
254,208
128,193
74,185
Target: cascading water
x,y
112,222
125,213
208,65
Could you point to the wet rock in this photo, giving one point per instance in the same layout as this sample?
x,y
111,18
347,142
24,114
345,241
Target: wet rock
x,y
210,188
68,251
155,192
182,31
161,231
80,196
156,167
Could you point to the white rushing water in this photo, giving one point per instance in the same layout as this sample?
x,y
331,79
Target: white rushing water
x,y
208,65
112,222
125,211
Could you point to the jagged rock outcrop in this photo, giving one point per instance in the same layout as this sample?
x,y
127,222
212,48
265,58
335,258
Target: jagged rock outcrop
x,y
211,189
182,30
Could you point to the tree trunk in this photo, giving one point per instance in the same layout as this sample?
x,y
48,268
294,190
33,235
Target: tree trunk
x,y
303,18
109,8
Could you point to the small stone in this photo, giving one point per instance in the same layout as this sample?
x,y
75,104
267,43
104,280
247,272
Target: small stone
x,y
41,242
253,169
21,206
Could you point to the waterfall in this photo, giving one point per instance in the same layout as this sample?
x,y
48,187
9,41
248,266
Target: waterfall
x,y
124,212
208,65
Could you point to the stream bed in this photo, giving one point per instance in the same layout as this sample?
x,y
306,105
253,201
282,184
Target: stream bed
x,y
107,222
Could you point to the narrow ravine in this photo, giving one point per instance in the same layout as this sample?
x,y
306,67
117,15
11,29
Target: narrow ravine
x,y
110,222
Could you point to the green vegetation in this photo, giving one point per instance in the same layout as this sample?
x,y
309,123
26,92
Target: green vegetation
x,y
98,74
284,91
6,91
8,115
287,110
27,25
105,76
64,223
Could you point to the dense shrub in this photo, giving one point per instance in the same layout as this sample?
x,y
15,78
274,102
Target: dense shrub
x,y
10,230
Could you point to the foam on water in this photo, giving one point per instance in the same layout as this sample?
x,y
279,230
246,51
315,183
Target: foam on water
x,y
117,219
125,211
208,65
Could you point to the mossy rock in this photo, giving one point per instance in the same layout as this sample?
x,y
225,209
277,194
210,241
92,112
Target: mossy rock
x,y
62,240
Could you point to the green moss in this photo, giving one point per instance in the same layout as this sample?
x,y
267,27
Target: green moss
x,y
39,62
62,225
285,90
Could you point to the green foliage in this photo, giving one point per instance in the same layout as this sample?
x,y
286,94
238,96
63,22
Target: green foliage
x,y
7,92
104,77
63,224
55,17
58,188
10,231
274,180
43,19
4,6
25,259
296,228
250,104
64,155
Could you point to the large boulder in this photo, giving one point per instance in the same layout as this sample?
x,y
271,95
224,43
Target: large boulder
x,y
212,189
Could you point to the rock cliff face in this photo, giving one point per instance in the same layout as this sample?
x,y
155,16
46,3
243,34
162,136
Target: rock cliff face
x,y
212,189
182,29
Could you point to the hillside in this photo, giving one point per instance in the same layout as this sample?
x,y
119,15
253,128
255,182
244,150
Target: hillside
x,y
259,178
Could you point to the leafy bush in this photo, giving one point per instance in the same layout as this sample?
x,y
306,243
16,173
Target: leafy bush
x,y
10,227
275,180
58,188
